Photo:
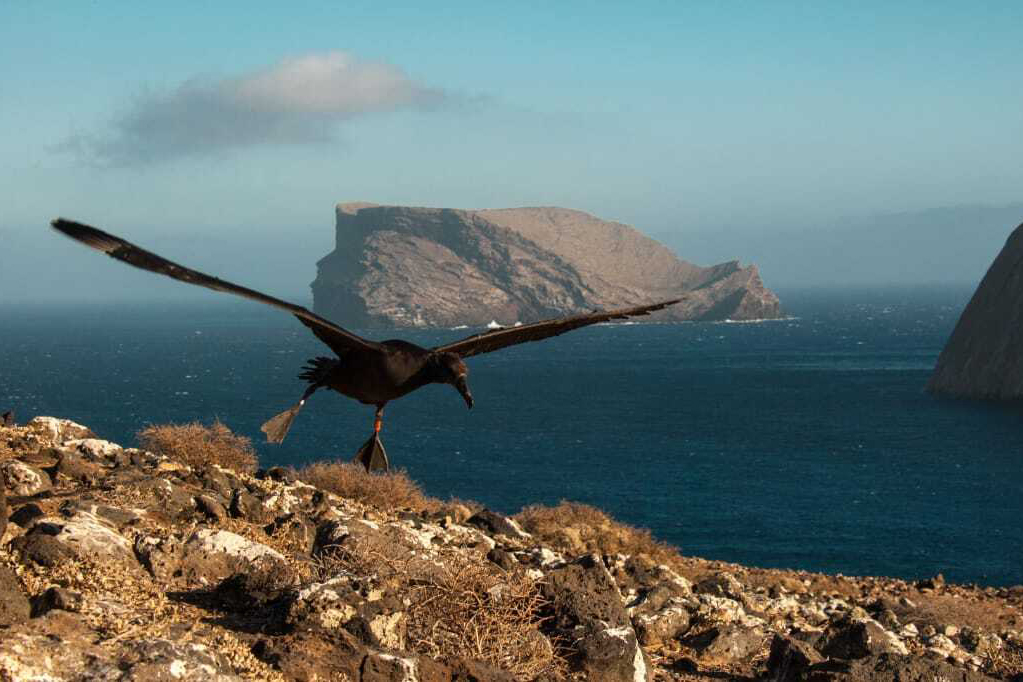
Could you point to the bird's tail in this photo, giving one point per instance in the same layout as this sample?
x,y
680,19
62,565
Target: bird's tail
x,y
276,428
317,370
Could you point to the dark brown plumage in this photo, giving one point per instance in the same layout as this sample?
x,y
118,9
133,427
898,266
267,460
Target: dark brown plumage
x,y
372,372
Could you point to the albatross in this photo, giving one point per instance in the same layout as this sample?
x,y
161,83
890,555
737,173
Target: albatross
x,y
372,372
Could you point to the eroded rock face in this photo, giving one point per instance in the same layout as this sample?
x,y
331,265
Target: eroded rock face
x,y
982,358
403,266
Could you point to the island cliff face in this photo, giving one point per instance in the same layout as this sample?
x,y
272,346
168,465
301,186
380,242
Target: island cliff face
x,y
404,266
983,357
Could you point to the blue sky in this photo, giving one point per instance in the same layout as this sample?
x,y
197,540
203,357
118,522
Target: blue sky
x,y
194,120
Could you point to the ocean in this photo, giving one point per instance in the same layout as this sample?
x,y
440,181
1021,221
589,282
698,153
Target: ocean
x,y
807,442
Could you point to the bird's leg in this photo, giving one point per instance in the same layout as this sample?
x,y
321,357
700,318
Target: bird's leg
x,y
372,454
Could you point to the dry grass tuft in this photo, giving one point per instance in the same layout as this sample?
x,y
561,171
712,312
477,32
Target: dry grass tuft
x,y
459,606
576,528
391,490
198,445
464,609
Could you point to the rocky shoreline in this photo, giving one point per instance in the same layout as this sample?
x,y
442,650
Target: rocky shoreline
x,y
121,564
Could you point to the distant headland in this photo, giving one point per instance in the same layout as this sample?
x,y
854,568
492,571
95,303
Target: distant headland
x,y
432,267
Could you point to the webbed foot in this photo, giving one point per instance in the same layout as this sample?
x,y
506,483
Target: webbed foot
x,y
372,455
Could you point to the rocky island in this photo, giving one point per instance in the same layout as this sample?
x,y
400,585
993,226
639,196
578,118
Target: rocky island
x,y
405,266
121,563
984,356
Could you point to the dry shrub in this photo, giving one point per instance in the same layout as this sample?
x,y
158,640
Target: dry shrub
x,y
390,490
577,528
459,606
464,609
198,445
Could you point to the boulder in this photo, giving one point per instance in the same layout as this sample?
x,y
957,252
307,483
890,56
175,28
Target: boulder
x,y
297,529
850,638
212,555
167,498
24,480
161,660
892,668
247,506
115,517
87,537
726,644
722,584
41,549
56,598
75,467
790,659
55,431
381,667
160,556
589,617
14,604
312,655
95,449
495,524
211,508
668,621
504,559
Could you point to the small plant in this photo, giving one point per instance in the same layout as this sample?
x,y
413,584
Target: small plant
x,y
391,490
457,607
577,528
198,445
465,609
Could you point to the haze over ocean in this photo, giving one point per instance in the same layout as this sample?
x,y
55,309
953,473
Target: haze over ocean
x,y
804,443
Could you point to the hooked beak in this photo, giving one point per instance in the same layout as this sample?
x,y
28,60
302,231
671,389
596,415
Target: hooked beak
x,y
463,388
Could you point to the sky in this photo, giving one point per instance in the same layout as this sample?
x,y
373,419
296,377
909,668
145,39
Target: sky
x,y
225,132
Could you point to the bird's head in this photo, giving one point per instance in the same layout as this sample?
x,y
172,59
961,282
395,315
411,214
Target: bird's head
x,y
451,370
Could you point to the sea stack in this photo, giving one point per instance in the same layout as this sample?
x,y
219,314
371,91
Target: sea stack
x,y
984,356
400,266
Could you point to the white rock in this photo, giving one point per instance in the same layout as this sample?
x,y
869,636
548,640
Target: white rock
x,y
89,538
684,585
940,644
389,629
722,610
94,447
409,667
22,479
232,544
895,644
56,430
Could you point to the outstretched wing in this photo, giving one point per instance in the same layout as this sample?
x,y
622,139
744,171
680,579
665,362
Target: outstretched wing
x,y
334,336
510,336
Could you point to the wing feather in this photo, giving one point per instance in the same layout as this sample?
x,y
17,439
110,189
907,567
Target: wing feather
x,y
338,339
497,339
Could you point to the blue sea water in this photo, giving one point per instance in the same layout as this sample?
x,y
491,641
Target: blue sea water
x,y
802,443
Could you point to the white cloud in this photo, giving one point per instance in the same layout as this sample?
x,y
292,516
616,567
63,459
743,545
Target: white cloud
x,y
297,101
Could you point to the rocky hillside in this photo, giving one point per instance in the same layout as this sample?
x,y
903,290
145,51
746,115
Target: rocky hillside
x,y
403,266
121,564
982,358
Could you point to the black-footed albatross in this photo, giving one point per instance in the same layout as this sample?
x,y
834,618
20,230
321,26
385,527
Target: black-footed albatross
x,y
372,372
